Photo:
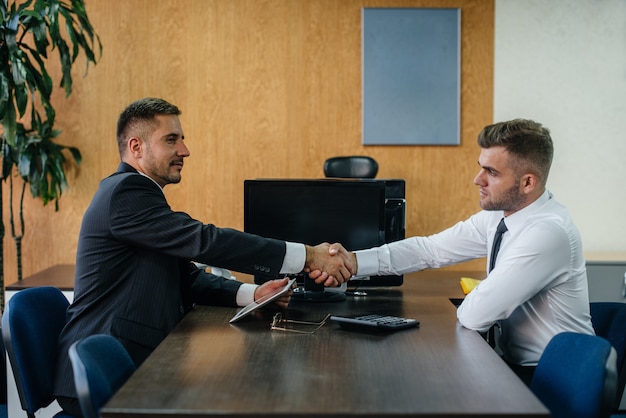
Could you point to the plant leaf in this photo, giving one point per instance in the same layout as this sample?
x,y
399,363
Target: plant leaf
x,y
9,123
28,30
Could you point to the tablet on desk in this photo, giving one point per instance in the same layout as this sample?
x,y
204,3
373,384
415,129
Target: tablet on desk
x,y
262,301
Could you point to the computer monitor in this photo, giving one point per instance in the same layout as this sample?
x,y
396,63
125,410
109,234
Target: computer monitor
x,y
359,214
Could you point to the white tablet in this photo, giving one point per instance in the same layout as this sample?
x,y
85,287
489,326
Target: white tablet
x,y
262,301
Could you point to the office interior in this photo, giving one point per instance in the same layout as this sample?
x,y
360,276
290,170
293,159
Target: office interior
x,y
273,88
270,89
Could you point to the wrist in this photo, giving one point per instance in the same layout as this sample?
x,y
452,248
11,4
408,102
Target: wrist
x,y
308,258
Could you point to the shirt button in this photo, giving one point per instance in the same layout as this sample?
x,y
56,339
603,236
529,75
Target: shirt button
x,y
181,308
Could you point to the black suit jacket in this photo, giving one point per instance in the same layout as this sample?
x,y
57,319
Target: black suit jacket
x,y
134,279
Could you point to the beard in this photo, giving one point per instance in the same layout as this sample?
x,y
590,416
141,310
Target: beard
x,y
162,173
171,177
509,201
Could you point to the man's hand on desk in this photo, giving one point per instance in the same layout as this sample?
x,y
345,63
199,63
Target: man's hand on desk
x,y
329,265
269,287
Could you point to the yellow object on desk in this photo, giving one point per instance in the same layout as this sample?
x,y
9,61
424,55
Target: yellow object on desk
x,y
468,284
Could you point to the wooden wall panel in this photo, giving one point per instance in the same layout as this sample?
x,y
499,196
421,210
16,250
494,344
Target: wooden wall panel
x,y
268,88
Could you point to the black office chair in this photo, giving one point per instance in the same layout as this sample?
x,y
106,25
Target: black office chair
x,y
609,322
576,376
354,166
101,365
31,323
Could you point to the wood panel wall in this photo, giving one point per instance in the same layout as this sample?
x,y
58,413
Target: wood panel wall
x,y
268,88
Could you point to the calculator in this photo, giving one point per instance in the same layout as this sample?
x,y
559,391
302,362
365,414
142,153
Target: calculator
x,y
375,322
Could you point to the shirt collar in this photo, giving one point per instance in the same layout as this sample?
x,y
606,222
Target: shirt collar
x,y
519,217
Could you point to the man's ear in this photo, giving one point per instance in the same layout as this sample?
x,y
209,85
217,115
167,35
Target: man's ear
x,y
529,183
135,146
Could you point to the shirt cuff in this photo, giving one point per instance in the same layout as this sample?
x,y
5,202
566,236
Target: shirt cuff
x,y
245,294
295,257
367,262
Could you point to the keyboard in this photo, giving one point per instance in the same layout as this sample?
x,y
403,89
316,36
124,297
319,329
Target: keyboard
x,y
375,322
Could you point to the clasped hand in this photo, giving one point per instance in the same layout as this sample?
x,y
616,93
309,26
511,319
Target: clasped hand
x,y
328,264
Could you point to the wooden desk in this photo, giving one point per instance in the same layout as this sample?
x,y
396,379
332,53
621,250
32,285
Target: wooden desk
x,y
59,275
209,368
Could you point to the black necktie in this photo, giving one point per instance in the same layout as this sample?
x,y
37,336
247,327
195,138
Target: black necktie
x,y
496,243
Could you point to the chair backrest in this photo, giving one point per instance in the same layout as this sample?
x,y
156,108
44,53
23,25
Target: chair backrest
x,y
355,166
609,322
31,323
576,376
101,365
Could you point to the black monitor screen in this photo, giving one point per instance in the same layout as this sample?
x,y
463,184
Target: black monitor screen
x,y
351,212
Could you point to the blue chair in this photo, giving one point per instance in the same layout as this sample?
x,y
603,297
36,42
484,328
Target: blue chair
x,y
576,376
609,322
101,365
31,323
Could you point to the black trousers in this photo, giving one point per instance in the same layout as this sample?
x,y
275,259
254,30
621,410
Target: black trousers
x,y
70,406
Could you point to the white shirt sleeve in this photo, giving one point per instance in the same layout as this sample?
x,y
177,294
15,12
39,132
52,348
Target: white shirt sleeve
x,y
464,241
245,294
295,257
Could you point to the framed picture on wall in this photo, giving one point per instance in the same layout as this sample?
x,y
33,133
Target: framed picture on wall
x,y
411,76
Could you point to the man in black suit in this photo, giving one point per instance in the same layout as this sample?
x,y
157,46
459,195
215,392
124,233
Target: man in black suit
x,y
134,273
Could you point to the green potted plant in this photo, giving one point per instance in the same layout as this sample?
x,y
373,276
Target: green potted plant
x,y
29,31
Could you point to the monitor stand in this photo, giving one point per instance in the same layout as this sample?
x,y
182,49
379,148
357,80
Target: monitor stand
x,y
313,292
303,295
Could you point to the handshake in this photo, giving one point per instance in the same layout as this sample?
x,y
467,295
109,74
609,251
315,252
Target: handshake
x,y
330,265
326,264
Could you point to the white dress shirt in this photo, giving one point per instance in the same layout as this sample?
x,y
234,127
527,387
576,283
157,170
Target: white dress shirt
x,y
537,288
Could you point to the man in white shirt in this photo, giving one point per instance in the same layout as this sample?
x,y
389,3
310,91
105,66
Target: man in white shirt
x,y
538,286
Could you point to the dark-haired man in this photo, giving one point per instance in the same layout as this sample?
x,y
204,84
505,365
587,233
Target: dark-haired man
x,y
135,278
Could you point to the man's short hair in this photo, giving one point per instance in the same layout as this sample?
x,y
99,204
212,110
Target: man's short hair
x,y
527,142
139,117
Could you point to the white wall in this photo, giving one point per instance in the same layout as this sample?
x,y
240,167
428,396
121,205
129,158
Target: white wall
x,y
563,63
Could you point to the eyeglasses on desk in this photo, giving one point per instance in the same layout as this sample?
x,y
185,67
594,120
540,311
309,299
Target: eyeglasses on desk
x,y
301,327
